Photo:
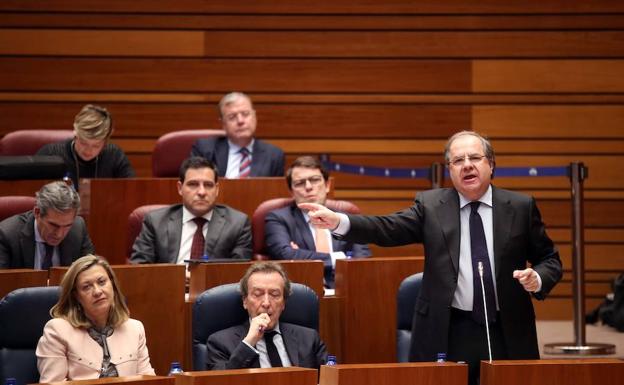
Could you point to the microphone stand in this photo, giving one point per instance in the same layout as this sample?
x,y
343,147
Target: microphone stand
x,y
487,325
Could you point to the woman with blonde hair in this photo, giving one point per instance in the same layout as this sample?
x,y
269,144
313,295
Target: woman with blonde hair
x,y
89,154
91,334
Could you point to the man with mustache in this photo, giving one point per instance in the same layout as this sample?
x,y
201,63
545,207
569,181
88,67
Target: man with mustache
x,y
198,226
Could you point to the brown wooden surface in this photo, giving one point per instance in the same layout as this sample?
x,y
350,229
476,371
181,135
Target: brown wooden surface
x,y
130,380
112,200
330,324
155,296
12,279
598,371
420,373
367,289
273,376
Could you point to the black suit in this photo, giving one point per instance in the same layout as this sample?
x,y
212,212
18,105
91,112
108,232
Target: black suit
x,y
17,242
266,159
434,220
226,349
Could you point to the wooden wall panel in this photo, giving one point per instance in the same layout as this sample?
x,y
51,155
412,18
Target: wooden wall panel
x,y
550,121
548,76
415,44
322,6
50,42
223,75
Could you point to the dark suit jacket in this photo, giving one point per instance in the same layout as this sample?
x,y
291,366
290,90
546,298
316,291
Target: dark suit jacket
x,y
288,224
228,236
519,237
226,349
266,159
17,242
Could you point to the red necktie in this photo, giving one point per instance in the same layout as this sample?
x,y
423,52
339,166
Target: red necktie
x,y
197,247
245,163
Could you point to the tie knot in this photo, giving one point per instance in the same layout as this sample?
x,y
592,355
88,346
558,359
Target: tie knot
x,y
270,333
244,151
474,207
200,221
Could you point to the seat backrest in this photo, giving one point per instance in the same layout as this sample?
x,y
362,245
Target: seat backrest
x,y
222,307
23,314
135,222
172,148
28,142
15,204
406,302
257,219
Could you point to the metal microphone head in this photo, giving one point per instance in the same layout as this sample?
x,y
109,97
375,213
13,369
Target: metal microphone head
x,y
480,268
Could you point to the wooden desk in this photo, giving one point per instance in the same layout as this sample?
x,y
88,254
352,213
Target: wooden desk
x,y
367,289
12,279
273,376
589,371
413,373
108,203
155,296
127,380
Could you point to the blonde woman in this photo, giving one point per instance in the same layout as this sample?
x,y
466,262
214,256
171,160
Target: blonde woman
x,y
89,154
91,334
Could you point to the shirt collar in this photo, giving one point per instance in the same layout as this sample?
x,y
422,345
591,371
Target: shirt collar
x,y
485,198
235,148
37,235
188,216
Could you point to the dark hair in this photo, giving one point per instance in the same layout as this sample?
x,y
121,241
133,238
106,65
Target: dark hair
x,y
306,162
197,162
266,268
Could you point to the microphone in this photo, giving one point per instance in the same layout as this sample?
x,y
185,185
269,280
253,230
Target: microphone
x,y
487,325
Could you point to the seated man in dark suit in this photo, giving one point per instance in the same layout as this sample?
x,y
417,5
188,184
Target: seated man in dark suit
x,y
288,233
50,235
240,155
263,341
197,227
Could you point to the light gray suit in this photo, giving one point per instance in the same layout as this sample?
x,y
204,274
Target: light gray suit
x,y
228,236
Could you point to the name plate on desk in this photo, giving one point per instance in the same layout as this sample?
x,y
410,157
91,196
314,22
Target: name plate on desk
x,y
272,376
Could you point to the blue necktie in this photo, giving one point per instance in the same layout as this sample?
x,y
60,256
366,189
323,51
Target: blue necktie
x,y
478,249
47,258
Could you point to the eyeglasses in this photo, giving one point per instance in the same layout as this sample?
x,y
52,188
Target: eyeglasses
x,y
234,115
314,180
458,161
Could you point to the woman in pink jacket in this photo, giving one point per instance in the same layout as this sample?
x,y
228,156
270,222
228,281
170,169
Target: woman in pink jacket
x,y
91,334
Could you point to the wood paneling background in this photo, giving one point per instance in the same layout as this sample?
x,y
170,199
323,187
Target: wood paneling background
x,y
371,83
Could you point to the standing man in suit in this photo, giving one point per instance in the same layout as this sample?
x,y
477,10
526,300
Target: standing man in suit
x,y
197,227
52,234
239,154
288,232
461,227
264,341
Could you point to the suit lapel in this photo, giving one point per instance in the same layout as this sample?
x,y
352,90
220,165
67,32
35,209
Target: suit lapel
x,y
27,242
222,150
215,227
502,221
174,234
291,342
448,217
303,228
258,161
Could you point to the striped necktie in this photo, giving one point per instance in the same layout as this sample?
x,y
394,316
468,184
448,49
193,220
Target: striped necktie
x,y
245,164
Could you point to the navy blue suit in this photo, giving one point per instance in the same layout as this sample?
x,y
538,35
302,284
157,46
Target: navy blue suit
x,y
288,224
266,159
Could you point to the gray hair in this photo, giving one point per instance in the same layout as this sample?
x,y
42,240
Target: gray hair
x,y
485,143
93,122
266,268
230,98
57,196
